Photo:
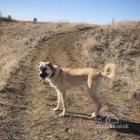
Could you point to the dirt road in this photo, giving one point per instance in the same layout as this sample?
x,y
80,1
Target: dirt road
x,y
26,104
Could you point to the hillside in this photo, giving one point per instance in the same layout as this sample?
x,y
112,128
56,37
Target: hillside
x,y
26,104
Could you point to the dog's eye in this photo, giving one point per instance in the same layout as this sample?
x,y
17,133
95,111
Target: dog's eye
x,y
44,69
40,67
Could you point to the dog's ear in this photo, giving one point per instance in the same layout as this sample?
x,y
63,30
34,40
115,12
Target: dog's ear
x,y
55,66
51,66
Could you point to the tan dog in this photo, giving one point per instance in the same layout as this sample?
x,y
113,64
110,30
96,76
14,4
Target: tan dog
x,y
63,79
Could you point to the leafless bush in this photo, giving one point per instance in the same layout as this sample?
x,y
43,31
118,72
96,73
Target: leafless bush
x,y
90,44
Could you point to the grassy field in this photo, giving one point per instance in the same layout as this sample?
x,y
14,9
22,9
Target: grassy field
x,y
18,39
26,103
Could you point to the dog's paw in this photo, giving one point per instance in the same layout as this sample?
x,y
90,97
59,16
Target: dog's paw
x,y
94,115
62,114
56,109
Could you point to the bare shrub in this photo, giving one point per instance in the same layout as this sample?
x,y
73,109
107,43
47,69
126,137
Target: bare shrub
x,y
90,44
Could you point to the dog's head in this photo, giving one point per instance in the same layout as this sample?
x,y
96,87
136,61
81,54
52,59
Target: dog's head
x,y
46,70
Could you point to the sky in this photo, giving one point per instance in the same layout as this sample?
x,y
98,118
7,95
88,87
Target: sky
x,y
87,11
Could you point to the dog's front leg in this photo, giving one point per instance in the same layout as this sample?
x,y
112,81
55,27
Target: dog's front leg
x,y
64,103
58,101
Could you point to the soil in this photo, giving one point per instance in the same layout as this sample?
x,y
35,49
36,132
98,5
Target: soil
x,y
26,103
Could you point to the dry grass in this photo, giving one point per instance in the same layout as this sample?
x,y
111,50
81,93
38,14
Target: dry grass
x,y
25,103
18,39
119,44
90,44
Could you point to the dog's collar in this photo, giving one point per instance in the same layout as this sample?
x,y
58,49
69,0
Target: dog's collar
x,y
53,73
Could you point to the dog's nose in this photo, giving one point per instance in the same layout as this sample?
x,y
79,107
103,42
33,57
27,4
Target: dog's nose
x,y
41,75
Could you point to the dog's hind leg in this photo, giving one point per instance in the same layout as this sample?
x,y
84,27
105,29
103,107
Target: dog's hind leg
x,y
95,98
98,105
94,89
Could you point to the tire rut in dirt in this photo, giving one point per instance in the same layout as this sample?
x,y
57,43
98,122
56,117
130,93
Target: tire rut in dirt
x,y
24,98
60,51
28,103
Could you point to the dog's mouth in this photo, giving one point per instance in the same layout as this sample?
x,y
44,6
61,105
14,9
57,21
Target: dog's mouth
x,y
42,75
42,79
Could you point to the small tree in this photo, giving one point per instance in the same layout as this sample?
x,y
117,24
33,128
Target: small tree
x,y
9,17
35,19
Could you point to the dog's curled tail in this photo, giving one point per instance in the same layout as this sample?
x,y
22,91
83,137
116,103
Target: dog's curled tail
x,y
109,71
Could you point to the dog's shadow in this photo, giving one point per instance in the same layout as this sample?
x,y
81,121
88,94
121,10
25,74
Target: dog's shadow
x,y
113,124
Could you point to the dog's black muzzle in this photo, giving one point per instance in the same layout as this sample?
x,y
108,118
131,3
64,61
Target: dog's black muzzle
x,y
43,74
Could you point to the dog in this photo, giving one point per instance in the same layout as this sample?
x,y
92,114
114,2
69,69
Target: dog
x,y
63,79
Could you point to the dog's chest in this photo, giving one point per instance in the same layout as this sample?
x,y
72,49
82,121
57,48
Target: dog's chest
x,y
52,84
